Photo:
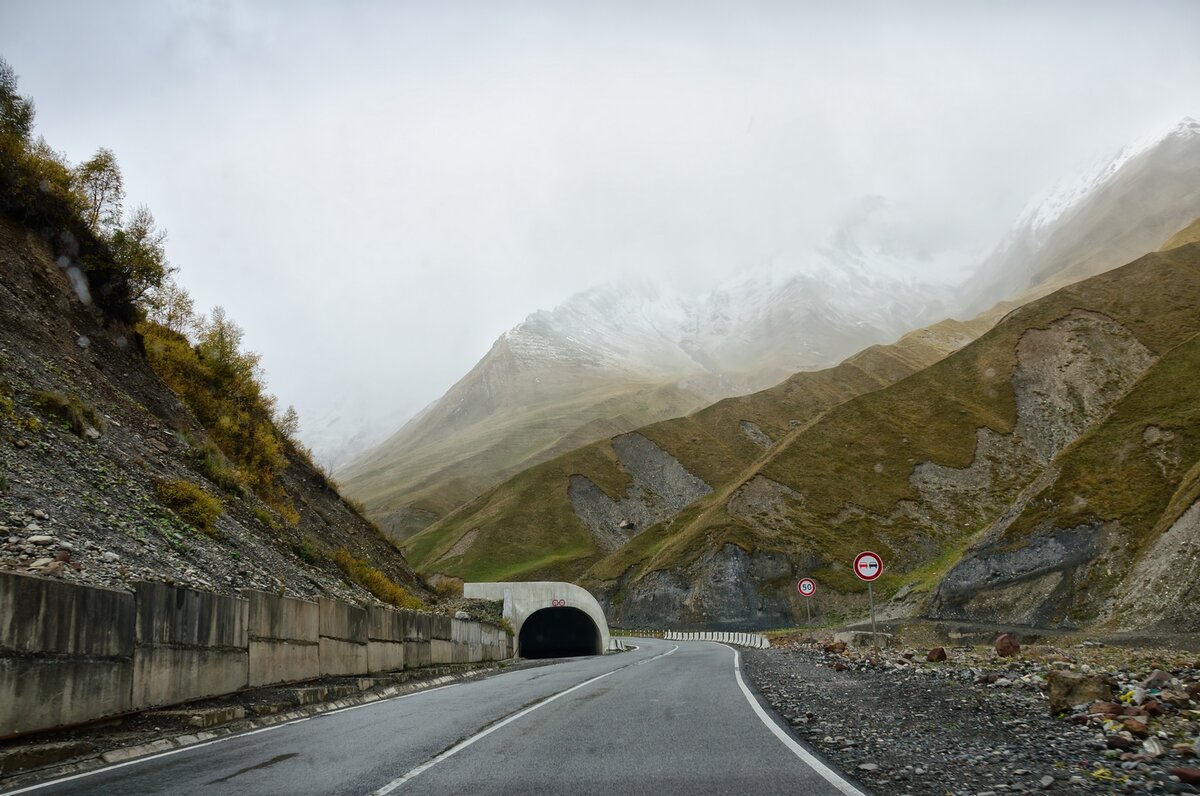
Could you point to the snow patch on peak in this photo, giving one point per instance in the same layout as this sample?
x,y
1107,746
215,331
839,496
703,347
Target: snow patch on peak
x,y
1051,205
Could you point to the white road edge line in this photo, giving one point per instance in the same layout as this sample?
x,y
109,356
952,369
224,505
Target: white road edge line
x,y
453,750
148,758
827,773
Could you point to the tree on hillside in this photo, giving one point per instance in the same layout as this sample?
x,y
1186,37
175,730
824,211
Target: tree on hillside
x,y
220,343
171,306
102,187
139,250
16,112
288,423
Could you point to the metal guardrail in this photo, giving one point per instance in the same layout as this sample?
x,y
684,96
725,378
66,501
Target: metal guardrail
x,y
753,640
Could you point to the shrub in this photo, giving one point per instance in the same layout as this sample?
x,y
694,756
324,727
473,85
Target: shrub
x,y
307,551
374,581
221,385
69,409
191,503
213,465
266,518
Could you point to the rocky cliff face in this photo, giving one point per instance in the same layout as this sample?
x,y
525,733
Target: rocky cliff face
x,y
88,432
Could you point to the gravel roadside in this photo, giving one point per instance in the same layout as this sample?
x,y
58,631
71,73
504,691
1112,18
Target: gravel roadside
x,y
977,723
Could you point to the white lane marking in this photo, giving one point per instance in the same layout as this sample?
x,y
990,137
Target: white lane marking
x,y
827,773
148,758
453,750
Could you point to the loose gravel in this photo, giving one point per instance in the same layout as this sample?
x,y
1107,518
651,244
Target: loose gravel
x,y
975,723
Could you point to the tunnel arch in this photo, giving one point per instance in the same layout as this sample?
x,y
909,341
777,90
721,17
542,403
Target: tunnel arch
x,y
559,632
523,599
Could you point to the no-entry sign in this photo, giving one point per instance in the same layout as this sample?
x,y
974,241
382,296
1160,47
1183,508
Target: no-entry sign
x,y
807,587
868,566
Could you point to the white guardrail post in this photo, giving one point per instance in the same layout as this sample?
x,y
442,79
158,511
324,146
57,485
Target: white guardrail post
x,y
752,640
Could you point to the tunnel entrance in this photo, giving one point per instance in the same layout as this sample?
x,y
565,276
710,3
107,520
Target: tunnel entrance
x,y
559,633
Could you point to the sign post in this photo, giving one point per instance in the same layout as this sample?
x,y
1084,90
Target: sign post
x,y
807,588
868,566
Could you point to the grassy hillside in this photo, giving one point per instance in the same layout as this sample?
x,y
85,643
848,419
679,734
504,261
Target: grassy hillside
x,y
1189,234
527,528
854,466
437,477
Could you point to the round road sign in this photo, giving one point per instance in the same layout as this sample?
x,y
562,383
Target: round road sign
x,y
807,587
868,566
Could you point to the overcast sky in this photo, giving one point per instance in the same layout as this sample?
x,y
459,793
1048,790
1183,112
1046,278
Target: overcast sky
x,y
376,191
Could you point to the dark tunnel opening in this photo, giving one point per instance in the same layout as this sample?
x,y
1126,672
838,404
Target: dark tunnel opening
x,y
559,633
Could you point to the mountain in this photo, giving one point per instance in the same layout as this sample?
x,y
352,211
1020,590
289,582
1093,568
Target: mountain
x,y
617,357
620,356
556,519
1029,477
693,521
988,450
1114,213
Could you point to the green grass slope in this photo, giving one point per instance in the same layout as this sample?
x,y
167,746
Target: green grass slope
x,y
853,467
526,528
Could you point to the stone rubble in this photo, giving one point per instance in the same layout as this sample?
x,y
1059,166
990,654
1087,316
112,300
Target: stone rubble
x,y
1085,718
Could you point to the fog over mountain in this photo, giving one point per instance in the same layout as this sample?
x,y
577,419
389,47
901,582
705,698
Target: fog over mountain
x,y
377,191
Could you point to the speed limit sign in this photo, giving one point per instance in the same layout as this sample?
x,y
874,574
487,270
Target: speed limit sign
x,y
807,587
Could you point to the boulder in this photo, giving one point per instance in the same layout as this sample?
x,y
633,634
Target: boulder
x,y
1067,688
1188,776
863,638
1007,646
1136,727
1157,679
936,655
836,647
1104,708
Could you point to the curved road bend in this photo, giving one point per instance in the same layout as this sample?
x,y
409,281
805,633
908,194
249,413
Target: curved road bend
x,y
665,718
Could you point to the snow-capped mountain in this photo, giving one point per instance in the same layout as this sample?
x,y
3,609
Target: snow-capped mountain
x,y
1119,209
626,354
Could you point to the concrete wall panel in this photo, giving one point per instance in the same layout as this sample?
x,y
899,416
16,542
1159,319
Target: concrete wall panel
x,y
418,626
417,654
171,615
43,615
439,626
166,675
386,624
40,693
441,651
343,621
282,618
385,656
342,657
274,661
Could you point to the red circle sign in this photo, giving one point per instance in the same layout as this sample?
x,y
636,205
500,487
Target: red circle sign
x,y
868,566
807,587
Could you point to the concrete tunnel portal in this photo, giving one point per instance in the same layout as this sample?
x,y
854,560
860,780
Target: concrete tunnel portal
x,y
559,632
550,619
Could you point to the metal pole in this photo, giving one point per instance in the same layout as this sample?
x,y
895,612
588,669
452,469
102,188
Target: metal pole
x,y
808,608
871,597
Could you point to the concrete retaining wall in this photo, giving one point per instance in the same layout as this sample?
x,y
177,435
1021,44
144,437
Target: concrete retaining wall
x,y
58,665
343,638
71,654
284,639
189,645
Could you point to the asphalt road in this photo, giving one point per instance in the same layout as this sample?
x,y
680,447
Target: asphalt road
x,y
668,717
